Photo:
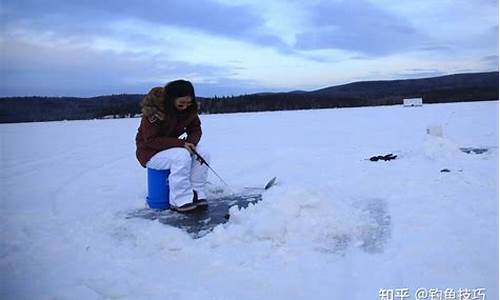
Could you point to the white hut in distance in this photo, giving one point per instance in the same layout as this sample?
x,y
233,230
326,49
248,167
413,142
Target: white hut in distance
x,y
410,102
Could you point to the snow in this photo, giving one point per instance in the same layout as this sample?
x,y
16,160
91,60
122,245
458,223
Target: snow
x,y
337,226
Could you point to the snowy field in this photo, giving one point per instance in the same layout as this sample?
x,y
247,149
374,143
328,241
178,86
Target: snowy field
x,y
337,226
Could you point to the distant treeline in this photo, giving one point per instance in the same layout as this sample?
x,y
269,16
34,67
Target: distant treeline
x,y
452,88
37,109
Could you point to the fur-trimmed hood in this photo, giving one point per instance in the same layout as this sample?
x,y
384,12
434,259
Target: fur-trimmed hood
x,y
153,104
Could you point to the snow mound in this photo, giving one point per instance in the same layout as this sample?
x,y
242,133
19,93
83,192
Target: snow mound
x,y
441,148
292,217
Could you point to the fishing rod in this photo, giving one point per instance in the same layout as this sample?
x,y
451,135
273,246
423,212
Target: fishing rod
x,y
202,161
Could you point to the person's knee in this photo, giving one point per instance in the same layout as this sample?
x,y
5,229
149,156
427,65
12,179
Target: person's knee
x,y
181,156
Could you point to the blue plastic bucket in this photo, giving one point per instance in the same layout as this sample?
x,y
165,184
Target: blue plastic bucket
x,y
158,191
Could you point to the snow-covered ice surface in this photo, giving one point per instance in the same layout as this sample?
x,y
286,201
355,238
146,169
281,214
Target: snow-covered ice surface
x,y
337,226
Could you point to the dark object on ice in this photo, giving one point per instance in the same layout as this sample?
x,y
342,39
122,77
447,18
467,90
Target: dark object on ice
x,y
270,183
445,171
470,150
387,157
200,221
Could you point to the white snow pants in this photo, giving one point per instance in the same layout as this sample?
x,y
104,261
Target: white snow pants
x,y
186,173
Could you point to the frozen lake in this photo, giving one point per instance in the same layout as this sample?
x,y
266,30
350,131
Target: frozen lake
x,y
337,225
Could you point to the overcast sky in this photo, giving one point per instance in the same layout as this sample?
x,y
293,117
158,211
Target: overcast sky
x,y
229,47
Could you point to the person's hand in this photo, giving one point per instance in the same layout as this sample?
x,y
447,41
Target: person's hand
x,y
190,147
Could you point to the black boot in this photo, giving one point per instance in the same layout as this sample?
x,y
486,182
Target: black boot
x,y
200,203
188,207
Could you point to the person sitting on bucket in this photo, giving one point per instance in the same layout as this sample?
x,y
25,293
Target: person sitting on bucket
x,y
169,112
